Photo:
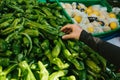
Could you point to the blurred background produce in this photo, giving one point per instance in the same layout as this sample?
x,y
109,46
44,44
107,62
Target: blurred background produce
x,y
94,19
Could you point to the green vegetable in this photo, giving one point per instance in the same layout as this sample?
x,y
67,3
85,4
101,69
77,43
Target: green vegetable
x,y
74,61
4,61
16,47
59,63
4,73
31,38
16,8
48,54
110,73
70,58
93,66
58,14
32,17
95,75
6,23
6,17
83,55
69,78
100,58
56,50
30,41
74,45
46,28
9,38
43,74
36,51
57,74
12,27
31,32
26,42
53,5
93,56
46,11
82,75
26,71
37,42
53,23
7,53
90,77
56,61
45,44
3,45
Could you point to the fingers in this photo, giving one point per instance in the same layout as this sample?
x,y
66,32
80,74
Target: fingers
x,y
67,36
68,26
67,30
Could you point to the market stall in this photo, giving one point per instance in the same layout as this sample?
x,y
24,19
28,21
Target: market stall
x,y
31,47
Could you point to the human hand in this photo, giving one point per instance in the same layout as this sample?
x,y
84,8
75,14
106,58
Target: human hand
x,y
72,31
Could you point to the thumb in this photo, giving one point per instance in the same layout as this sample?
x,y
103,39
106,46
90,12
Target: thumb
x,y
67,36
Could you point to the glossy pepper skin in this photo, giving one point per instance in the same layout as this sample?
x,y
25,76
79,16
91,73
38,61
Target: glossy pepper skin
x,y
25,67
69,56
47,28
5,23
59,63
57,48
72,59
99,58
12,27
53,55
93,66
5,17
32,32
43,74
57,74
45,44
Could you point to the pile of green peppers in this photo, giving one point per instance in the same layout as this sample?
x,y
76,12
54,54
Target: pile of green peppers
x,y
31,47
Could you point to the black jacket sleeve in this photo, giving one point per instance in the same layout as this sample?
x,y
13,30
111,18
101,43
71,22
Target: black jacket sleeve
x,y
109,51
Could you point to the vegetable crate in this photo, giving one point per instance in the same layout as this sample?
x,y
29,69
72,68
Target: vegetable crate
x,y
104,31
42,1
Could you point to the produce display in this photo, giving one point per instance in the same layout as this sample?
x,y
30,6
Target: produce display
x,y
94,19
31,47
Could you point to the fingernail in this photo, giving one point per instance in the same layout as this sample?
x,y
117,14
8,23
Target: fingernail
x,y
63,37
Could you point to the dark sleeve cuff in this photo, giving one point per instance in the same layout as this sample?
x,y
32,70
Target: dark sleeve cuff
x,y
89,40
83,35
